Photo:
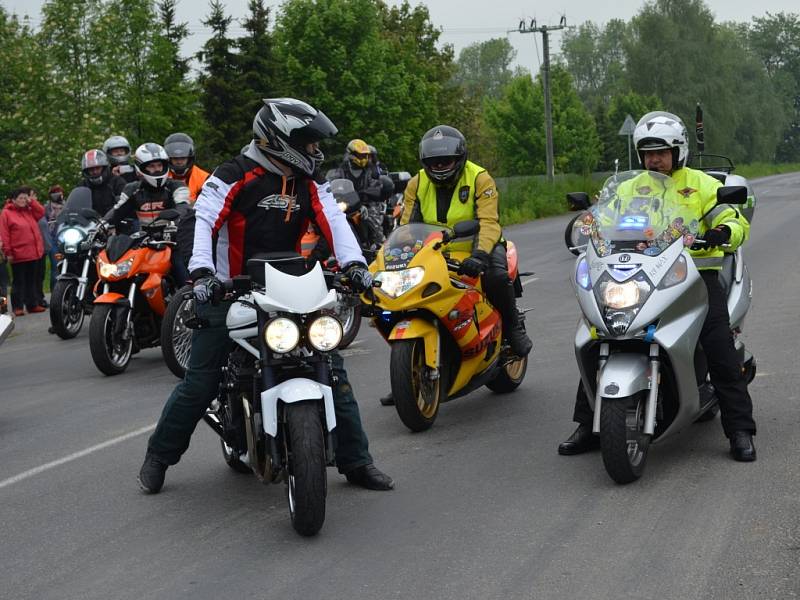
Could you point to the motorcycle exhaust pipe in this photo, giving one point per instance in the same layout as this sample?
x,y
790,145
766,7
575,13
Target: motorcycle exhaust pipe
x,y
213,421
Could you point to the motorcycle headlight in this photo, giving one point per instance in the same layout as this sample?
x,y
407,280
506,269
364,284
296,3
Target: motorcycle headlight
x,y
71,236
621,295
325,333
397,283
620,302
282,335
119,269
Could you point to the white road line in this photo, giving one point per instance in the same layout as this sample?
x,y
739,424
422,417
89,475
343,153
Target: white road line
x,y
531,280
75,456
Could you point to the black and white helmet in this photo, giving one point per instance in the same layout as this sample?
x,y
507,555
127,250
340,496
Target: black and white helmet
x,y
180,145
117,141
659,130
151,153
95,158
283,127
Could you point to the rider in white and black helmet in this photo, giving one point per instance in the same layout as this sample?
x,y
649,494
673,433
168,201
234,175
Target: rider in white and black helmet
x,y
118,151
97,176
258,202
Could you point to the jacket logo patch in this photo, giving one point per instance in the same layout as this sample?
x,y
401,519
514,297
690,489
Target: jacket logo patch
x,y
686,192
152,206
463,194
279,202
489,193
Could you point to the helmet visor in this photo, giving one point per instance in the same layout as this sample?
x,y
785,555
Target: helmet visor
x,y
319,128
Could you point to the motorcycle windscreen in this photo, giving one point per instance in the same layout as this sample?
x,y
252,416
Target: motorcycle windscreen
x,y
406,241
80,198
639,212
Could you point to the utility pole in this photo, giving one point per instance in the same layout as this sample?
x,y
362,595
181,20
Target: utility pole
x,y
548,114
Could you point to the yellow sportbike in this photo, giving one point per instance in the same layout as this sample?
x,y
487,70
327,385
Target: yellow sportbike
x,y
446,338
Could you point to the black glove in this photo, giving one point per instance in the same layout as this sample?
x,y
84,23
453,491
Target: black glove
x,y
359,276
206,287
475,264
717,236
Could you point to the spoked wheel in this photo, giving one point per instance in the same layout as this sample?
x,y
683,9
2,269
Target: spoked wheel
x,y
622,440
307,484
349,314
66,309
416,395
110,351
510,376
573,236
176,337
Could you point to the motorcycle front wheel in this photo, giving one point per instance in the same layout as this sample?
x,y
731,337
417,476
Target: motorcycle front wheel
x,y
416,395
110,352
66,309
573,236
623,442
306,482
349,314
176,337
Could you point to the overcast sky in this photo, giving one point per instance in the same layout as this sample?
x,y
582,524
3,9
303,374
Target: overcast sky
x,y
466,21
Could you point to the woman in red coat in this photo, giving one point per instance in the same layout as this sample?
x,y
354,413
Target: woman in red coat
x,y
24,247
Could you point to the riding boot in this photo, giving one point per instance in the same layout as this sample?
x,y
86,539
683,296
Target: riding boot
x,y
505,302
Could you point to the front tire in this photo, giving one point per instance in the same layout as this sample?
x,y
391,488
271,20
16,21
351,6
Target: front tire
x,y
307,482
176,338
349,313
416,397
573,236
110,353
623,443
66,309
510,376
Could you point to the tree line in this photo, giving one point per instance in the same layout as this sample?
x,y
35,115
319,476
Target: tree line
x,y
94,68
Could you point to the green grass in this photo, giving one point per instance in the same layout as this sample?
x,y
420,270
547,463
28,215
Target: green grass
x,y
763,169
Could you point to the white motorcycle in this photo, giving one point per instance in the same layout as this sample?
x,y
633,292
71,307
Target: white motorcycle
x,y
274,412
644,304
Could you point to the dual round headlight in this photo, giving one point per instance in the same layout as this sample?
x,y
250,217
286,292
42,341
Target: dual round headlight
x,y
283,335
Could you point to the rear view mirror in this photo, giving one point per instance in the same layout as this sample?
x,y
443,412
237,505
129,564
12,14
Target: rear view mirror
x,y
732,194
578,200
465,229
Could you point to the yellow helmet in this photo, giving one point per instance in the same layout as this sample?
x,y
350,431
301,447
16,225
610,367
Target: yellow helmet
x,y
358,153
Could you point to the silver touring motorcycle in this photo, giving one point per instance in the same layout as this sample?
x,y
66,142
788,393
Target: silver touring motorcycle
x,y
274,410
643,304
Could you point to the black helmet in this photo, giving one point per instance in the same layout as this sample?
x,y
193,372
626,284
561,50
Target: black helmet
x,y
437,146
283,127
180,145
95,158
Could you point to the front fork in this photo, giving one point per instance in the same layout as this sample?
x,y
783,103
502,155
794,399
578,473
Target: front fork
x,y
83,280
652,395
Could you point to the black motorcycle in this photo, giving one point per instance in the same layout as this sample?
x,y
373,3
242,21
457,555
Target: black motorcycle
x,y
80,239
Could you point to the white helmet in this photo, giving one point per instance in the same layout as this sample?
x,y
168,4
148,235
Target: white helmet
x,y
146,154
659,130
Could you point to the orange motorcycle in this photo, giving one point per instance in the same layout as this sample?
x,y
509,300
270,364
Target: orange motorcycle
x,y
133,289
446,337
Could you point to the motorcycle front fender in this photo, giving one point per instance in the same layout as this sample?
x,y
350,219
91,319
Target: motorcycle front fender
x,y
295,390
409,329
623,375
111,298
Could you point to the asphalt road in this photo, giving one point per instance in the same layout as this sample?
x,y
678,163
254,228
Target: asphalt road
x,y
484,507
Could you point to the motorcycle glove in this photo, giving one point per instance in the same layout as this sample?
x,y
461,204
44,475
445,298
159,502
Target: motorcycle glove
x,y
718,236
359,276
475,264
207,288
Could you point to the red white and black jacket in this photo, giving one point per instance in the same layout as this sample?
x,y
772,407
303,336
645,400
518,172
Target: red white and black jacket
x,y
247,206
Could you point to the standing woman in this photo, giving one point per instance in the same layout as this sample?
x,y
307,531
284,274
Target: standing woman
x,y
23,246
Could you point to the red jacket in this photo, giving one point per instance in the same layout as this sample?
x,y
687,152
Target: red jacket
x,y
19,231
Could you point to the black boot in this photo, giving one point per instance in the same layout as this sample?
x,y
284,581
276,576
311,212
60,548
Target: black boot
x,y
387,400
582,440
369,477
742,447
505,302
151,475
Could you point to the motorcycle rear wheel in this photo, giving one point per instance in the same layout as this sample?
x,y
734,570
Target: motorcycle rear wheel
x,y
416,398
66,310
110,355
510,376
307,481
623,443
176,338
